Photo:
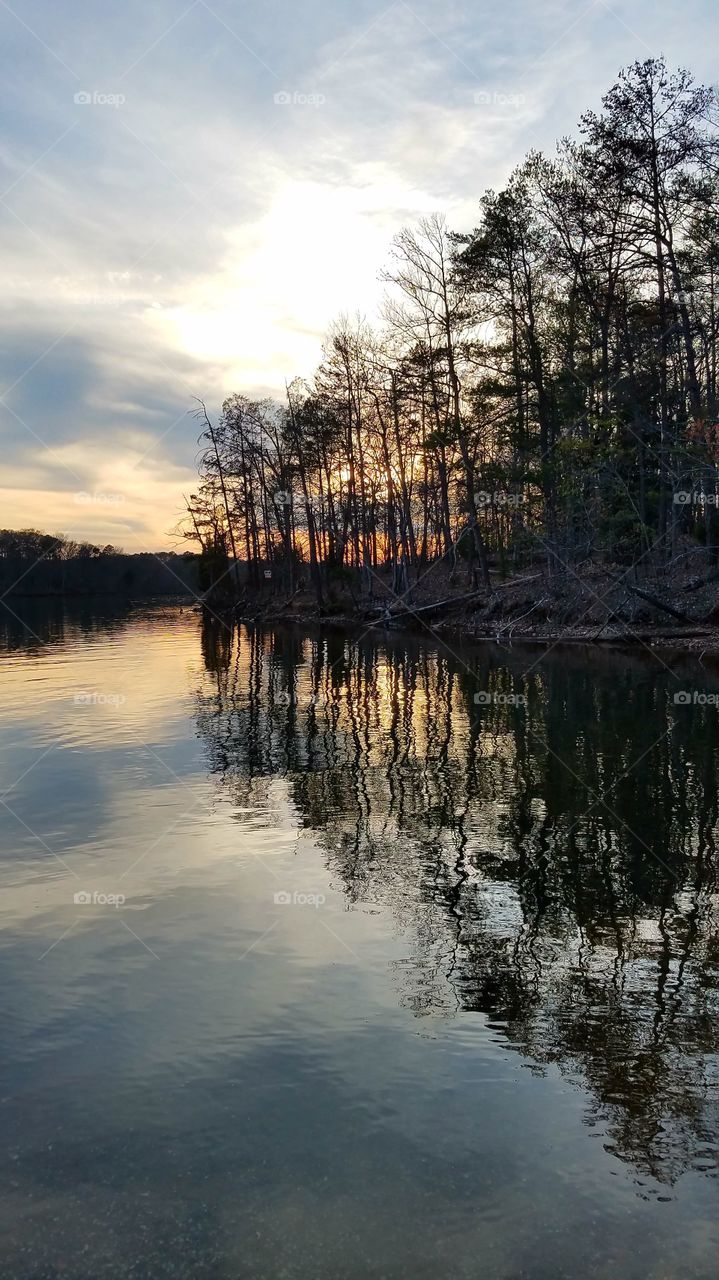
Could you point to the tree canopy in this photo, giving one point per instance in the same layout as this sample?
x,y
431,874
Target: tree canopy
x,y
543,387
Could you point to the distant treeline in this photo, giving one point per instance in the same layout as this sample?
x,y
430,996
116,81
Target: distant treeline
x,y
40,564
545,386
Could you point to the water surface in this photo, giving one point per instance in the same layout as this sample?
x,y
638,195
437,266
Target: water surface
x,y
331,957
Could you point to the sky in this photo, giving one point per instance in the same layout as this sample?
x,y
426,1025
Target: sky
x,y
190,193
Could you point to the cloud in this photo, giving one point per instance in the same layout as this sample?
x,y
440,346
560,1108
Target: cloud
x,y
198,236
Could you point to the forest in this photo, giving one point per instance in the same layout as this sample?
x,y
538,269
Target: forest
x,y
33,563
541,391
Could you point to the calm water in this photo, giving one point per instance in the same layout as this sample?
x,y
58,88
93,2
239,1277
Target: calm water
x,y
401,985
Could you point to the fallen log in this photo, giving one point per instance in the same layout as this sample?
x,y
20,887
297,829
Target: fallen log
x,y
659,604
620,637
516,582
422,610
452,602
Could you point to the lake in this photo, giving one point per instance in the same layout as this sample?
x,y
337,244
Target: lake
x,y
331,955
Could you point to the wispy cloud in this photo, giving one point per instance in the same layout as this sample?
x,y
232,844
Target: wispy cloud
x,y
197,234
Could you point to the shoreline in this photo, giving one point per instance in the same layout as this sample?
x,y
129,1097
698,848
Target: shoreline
x,y
603,606
689,642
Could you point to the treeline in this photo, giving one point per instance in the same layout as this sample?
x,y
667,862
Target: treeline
x,y
544,387
33,563
32,544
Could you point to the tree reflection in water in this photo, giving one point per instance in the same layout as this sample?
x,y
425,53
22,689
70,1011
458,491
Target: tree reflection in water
x,y
552,866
